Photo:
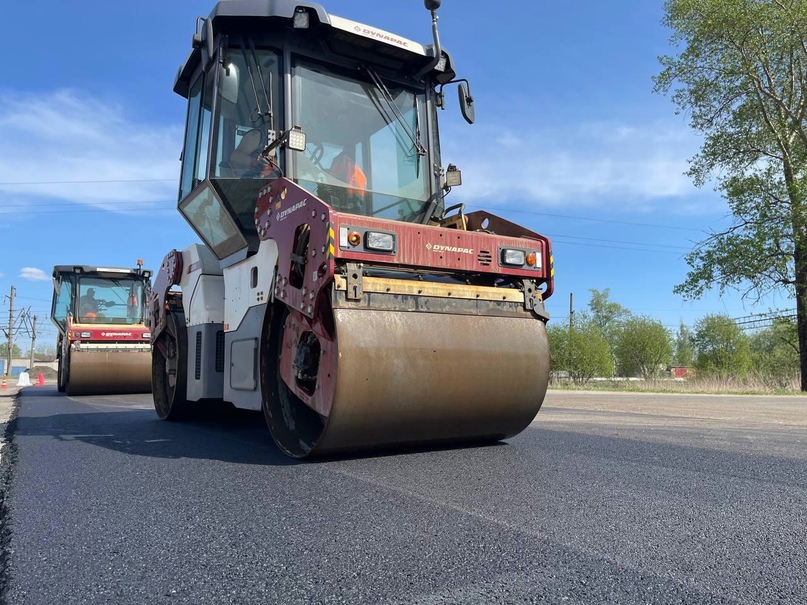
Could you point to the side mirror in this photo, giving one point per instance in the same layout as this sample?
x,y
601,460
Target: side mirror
x,y
228,83
466,102
204,36
209,40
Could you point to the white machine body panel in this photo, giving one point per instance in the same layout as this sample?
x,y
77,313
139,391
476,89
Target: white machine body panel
x,y
207,301
248,284
203,285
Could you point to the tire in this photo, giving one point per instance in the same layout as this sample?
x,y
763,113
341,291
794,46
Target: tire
x,y
169,369
61,377
295,427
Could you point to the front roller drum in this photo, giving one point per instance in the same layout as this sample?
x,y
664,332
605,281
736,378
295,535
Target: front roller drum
x,y
413,378
106,372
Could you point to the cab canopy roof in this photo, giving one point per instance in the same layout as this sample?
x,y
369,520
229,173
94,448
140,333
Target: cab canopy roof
x,y
96,271
341,36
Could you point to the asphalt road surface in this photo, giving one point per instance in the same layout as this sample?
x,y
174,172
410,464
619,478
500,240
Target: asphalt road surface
x,y
604,499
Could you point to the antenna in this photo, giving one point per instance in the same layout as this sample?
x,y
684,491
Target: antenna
x,y
432,6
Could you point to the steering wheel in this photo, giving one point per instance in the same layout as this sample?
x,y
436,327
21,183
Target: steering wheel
x,y
412,206
309,165
317,154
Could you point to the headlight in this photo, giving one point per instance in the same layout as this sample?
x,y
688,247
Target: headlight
x,y
296,135
517,258
375,240
145,335
85,335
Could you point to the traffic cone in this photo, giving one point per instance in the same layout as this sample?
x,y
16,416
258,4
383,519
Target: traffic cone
x,y
40,380
4,385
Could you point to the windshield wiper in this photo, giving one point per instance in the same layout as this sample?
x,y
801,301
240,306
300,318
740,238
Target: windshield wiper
x,y
263,115
392,106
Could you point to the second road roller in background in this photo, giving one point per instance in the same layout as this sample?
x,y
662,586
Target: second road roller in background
x,y
335,290
104,342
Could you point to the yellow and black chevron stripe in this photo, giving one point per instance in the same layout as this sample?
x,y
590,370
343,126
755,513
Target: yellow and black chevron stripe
x,y
329,243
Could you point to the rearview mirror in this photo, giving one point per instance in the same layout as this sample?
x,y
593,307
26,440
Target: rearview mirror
x,y
466,102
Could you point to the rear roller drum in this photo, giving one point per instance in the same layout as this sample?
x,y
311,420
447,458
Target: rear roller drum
x,y
169,369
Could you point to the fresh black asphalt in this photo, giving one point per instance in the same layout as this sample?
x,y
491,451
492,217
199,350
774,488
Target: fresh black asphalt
x,y
107,504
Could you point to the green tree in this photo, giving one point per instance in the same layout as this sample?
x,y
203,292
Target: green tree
x,y
558,336
684,354
583,353
741,77
589,353
605,314
608,317
16,352
775,353
643,347
46,350
722,348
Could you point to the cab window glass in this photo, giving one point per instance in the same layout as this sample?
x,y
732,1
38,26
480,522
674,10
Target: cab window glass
x,y
110,301
366,142
61,305
191,138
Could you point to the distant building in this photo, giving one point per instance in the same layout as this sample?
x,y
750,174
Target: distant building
x,y
679,371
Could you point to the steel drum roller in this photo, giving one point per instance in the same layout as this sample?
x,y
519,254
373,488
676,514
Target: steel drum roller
x,y
106,372
410,377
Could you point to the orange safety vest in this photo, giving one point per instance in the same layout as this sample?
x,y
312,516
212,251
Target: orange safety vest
x,y
346,169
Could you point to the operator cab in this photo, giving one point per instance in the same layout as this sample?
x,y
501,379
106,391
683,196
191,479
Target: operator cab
x,y
282,88
101,295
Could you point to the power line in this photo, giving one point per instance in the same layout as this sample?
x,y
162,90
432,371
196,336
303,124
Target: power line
x,y
585,218
27,205
33,183
79,210
502,209
764,320
613,241
554,241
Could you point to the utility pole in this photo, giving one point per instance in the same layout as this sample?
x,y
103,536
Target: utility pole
x,y
10,328
571,312
33,344
570,347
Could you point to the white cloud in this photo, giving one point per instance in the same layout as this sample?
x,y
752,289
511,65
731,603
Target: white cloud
x,y
33,274
603,165
70,136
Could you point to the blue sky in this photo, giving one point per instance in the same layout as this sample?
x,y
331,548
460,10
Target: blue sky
x,y
569,140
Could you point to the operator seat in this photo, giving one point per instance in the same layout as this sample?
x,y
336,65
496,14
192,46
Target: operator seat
x,y
243,161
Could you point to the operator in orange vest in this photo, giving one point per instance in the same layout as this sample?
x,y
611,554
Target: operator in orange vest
x,y
345,168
